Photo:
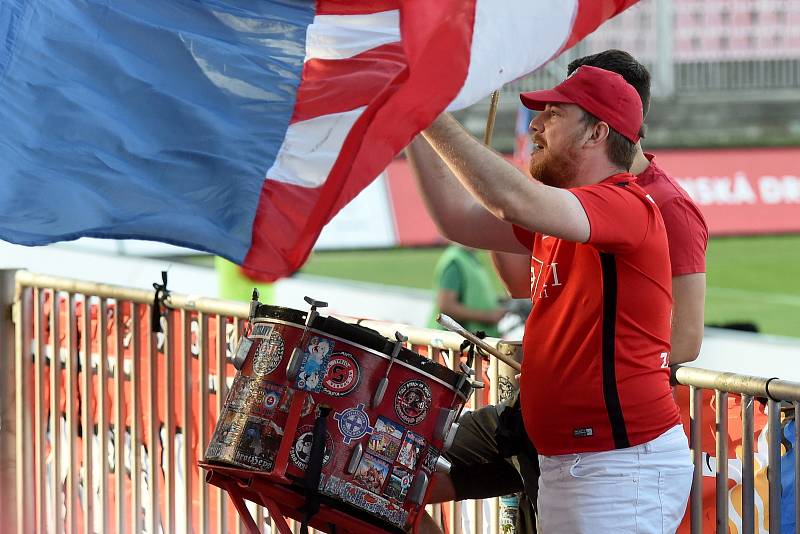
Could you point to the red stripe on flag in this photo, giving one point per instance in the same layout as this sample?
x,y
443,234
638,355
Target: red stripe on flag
x,y
437,39
591,14
355,7
337,85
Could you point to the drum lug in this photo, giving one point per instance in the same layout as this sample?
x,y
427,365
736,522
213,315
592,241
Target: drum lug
x,y
443,465
314,305
241,352
444,420
294,364
419,487
254,303
293,367
451,435
380,391
355,458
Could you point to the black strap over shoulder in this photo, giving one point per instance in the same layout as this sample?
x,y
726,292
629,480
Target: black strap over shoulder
x,y
314,468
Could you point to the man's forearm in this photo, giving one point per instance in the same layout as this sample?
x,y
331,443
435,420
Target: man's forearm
x,y
477,167
687,316
503,189
446,200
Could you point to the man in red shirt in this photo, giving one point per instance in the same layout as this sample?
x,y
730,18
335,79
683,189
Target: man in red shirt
x,y
687,231
613,455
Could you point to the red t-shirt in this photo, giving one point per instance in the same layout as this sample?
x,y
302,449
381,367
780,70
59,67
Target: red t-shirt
x,y
595,375
687,231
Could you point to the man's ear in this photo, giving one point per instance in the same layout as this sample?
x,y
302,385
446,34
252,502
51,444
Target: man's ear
x,y
598,134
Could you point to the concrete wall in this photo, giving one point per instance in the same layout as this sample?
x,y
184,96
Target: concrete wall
x,y
770,118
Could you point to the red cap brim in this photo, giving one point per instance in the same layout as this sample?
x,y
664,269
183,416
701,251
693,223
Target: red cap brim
x,y
537,100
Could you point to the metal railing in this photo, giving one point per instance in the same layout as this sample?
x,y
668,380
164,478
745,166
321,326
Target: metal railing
x,y
750,389
111,425
110,419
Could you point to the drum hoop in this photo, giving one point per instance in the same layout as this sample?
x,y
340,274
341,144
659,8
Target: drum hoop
x,y
371,351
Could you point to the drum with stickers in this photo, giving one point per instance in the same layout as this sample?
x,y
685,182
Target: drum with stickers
x,y
379,413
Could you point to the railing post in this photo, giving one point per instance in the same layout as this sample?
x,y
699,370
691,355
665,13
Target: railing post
x,y
774,469
8,426
748,479
722,461
696,440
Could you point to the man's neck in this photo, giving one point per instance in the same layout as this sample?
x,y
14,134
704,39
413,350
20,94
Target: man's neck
x,y
594,172
640,161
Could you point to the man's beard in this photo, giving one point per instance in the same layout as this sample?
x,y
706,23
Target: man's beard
x,y
555,169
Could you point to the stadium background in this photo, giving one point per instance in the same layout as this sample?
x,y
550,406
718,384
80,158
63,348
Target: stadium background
x,y
726,75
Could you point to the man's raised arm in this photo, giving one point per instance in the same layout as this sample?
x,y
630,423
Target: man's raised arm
x,y
457,214
505,191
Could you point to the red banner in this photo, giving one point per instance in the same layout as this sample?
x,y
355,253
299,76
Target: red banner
x,y
740,191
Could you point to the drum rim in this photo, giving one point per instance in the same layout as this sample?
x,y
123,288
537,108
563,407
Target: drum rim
x,y
375,352
303,314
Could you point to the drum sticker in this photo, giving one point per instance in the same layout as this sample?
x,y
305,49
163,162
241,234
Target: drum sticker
x,y
240,393
341,375
429,461
308,406
315,362
258,445
267,397
353,423
301,450
226,432
371,473
399,482
269,354
366,500
410,449
261,330
286,401
412,402
243,349
385,439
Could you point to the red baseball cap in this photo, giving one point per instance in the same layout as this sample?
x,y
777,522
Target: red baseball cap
x,y
603,93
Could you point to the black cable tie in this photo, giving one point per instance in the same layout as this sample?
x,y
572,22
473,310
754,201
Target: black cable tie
x,y
766,388
160,295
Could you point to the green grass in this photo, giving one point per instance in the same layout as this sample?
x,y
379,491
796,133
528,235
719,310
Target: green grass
x,y
755,279
750,279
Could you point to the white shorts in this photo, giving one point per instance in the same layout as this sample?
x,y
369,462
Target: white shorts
x,y
641,489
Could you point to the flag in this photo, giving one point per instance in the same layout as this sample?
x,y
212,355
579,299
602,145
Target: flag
x,y
239,127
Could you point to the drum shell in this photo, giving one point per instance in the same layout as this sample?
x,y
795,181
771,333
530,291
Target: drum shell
x,y
399,440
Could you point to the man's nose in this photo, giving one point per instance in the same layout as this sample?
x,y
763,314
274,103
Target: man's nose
x,y
536,123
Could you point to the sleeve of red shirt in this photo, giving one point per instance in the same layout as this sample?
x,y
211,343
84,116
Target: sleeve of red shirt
x,y
525,237
687,234
618,219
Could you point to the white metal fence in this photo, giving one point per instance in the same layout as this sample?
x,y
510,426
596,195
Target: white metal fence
x,y
103,421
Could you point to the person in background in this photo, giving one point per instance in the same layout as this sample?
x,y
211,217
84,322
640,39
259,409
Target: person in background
x,y
464,291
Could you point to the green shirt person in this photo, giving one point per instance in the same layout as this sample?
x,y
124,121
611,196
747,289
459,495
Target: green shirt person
x,y
465,292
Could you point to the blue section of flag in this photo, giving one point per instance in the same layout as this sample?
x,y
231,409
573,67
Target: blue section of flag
x,y
151,119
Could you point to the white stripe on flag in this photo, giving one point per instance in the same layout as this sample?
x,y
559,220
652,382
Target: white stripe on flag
x,y
510,39
344,36
311,147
